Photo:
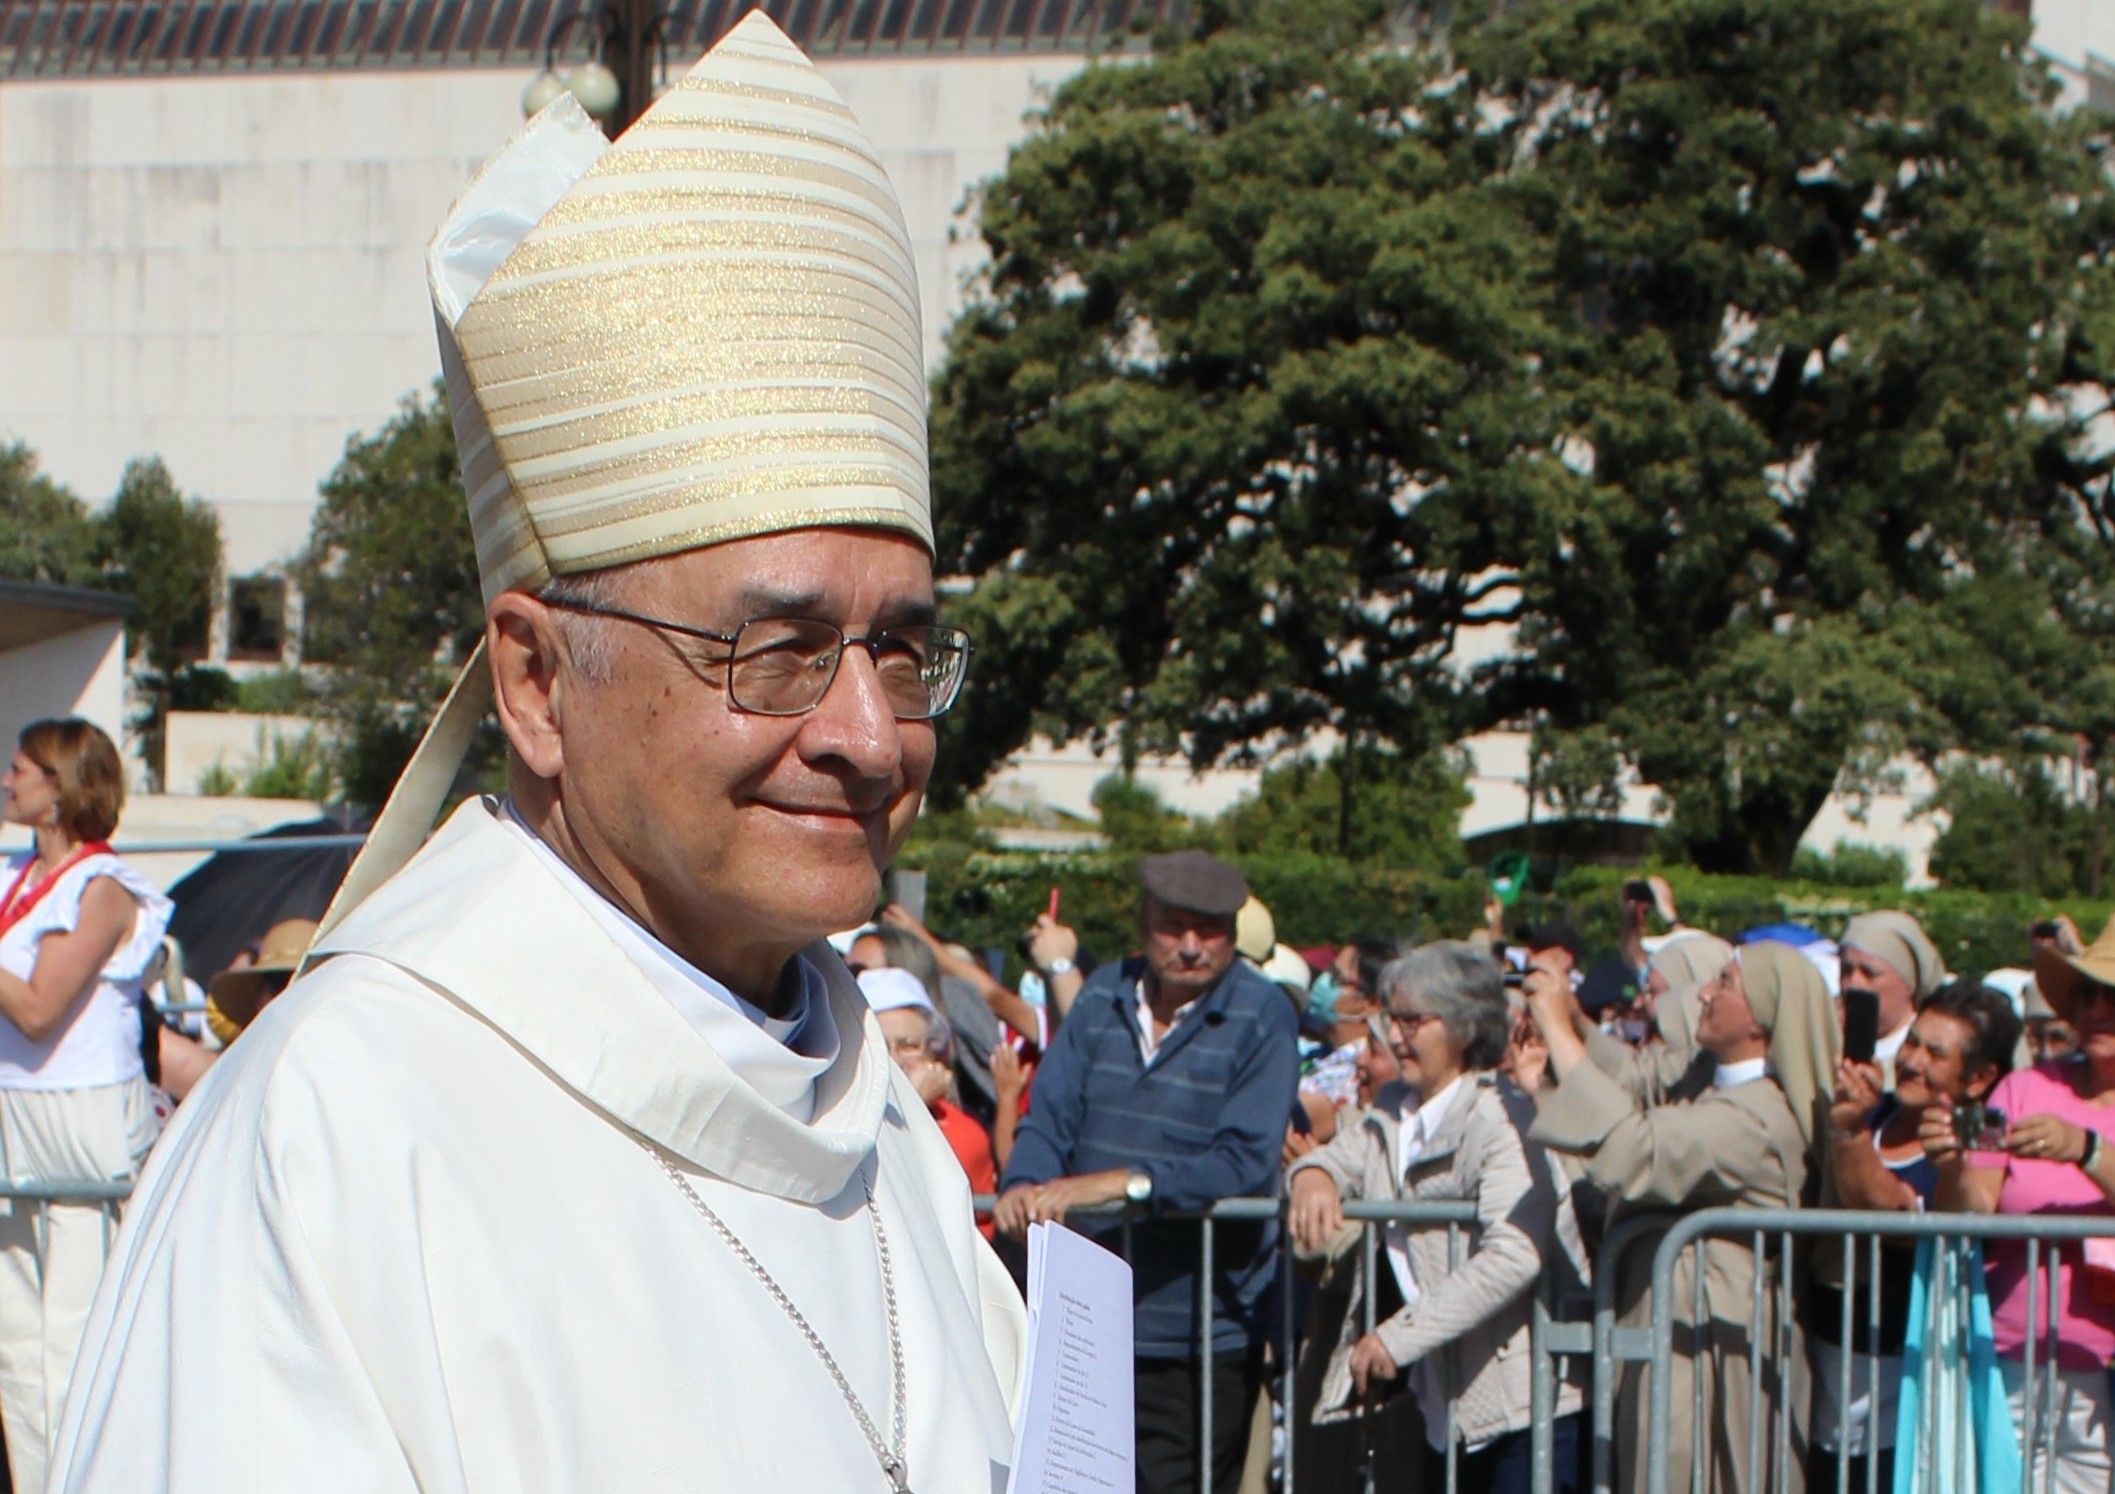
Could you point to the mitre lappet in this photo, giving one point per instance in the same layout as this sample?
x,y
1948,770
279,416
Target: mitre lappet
x,y
705,330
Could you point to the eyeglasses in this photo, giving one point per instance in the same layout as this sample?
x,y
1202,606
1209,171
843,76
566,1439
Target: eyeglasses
x,y
784,666
1407,1023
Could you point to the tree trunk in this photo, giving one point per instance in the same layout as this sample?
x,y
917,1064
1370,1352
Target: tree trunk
x,y
1346,769
2100,825
1763,835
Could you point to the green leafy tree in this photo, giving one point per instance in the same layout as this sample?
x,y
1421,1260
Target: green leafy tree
x,y
1236,431
1578,773
1375,807
2025,663
1838,298
389,580
1852,865
163,551
2013,828
1134,819
46,532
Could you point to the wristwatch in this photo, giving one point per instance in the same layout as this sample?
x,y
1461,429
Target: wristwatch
x,y
1058,966
1138,1188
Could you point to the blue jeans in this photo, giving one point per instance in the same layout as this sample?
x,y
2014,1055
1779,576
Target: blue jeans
x,y
1503,1466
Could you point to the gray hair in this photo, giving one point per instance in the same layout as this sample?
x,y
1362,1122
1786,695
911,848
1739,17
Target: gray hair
x,y
904,950
587,638
1456,982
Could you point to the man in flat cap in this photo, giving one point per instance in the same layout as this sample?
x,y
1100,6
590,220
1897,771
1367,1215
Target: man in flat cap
x,y
1167,1089
576,1162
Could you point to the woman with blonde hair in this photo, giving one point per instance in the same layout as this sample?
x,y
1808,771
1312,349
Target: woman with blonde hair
x,y
77,930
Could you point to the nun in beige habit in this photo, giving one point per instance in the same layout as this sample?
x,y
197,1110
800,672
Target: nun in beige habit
x,y
1745,1139
1674,1067
1889,954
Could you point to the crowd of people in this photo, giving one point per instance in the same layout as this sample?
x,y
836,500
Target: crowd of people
x,y
1550,1094
1555,1095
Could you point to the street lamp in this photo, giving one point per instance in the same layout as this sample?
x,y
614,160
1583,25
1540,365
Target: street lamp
x,y
617,86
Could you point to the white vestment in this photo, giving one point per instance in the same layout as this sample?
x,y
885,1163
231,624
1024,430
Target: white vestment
x,y
404,1237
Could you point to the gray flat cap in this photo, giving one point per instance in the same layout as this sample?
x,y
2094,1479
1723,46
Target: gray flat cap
x,y
1194,881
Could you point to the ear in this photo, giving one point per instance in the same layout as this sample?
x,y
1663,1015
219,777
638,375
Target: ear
x,y
529,678
1978,1084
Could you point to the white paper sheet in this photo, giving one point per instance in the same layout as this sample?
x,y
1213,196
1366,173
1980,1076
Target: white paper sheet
x,y
1075,1430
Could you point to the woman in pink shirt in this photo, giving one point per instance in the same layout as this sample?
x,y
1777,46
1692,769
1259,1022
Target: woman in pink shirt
x,y
2058,1158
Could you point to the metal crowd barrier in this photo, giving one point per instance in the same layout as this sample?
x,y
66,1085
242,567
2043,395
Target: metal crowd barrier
x,y
1773,1286
106,1193
1558,1335
1367,1214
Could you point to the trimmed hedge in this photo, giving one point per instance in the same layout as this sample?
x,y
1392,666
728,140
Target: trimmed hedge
x,y
986,899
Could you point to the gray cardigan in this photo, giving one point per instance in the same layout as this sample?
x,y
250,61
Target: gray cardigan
x,y
1470,1323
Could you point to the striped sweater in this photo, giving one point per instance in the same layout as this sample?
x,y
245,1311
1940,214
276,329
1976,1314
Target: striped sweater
x,y
1206,1119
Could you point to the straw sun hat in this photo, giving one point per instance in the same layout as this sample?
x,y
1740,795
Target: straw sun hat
x,y
2058,976
237,994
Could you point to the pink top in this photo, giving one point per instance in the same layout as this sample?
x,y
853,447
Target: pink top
x,y
2085,1328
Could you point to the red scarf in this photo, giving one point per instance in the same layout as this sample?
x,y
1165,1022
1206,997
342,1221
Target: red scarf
x,y
17,904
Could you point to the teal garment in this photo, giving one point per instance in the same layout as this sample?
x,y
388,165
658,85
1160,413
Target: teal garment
x,y
1953,1429
1322,999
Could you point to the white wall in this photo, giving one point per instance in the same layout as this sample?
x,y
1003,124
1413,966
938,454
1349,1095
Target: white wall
x,y
2066,30
237,742
2078,37
230,271
78,673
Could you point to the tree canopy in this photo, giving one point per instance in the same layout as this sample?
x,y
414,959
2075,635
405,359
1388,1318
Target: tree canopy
x,y
1374,809
1233,433
163,550
389,580
1843,288
1741,356
149,543
46,532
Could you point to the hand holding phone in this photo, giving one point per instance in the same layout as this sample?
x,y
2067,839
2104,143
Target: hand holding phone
x,y
1861,1023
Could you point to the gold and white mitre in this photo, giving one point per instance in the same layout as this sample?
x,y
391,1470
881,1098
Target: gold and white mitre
x,y
703,331
706,330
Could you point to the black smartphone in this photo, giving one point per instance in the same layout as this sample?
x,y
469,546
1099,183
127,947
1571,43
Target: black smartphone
x,y
1861,1023
1515,979
1637,891
2046,929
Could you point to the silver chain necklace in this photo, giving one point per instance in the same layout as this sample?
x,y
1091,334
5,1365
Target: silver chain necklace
x,y
891,1455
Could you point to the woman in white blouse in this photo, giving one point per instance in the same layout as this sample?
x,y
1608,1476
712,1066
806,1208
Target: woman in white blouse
x,y
77,929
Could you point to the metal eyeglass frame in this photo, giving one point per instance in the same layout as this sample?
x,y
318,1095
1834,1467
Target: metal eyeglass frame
x,y
730,642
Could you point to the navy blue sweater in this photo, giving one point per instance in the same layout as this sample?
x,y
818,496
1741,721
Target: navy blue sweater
x,y
1206,1120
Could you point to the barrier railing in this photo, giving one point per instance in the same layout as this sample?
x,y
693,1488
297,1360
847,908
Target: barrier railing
x,y
1774,1297
1773,1288
1369,1215
107,1193
1600,1339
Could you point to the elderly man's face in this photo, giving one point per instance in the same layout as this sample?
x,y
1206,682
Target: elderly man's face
x,y
742,830
1186,951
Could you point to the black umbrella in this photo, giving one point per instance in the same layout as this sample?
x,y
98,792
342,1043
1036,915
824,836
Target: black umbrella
x,y
230,899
